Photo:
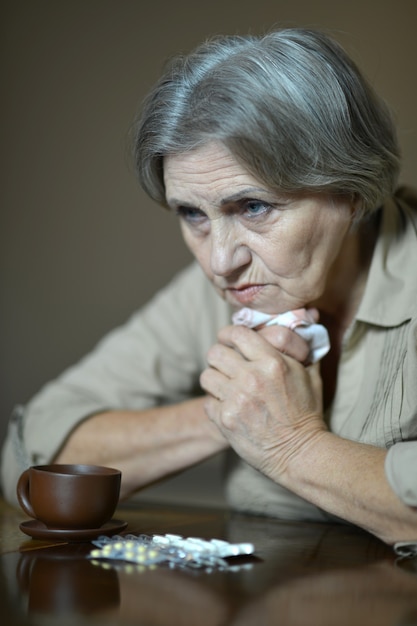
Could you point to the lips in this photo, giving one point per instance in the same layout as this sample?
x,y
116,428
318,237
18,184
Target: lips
x,y
244,294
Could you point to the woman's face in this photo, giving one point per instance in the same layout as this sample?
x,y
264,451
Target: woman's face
x,y
259,249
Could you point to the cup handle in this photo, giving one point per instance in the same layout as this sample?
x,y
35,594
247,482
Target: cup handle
x,y
22,492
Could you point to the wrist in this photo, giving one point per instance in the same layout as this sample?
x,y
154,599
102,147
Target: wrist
x,y
304,458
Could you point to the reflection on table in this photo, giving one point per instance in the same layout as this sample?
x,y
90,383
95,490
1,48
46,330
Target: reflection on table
x,y
301,573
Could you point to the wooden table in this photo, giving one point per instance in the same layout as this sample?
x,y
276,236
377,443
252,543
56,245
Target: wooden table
x,y
302,574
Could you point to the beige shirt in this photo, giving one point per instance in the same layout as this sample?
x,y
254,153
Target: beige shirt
x,y
156,358
376,394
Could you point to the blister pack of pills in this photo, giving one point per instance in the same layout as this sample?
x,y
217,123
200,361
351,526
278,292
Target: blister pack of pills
x,y
169,549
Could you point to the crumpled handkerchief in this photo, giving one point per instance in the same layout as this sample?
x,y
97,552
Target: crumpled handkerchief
x,y
299,320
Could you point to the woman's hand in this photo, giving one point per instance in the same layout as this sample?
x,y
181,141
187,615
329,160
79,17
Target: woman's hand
x,y
262,398
268,405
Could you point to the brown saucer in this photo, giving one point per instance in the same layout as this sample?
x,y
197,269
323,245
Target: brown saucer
x,y
37,530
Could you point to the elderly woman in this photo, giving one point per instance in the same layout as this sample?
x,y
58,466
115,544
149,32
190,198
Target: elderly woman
x,y
281,164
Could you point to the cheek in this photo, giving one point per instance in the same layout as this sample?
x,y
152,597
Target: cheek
x,y
301,250
287,254
188,240
319,238
198,249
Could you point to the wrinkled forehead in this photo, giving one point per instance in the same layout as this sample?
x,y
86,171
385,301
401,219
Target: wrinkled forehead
x,y
209,173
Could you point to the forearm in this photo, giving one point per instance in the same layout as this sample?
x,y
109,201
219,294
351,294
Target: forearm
x,y
348,479
145,445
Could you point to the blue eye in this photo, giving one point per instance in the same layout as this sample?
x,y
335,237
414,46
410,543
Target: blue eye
x,y
257,207
189,214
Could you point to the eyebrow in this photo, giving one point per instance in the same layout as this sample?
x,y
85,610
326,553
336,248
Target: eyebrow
x,y
239,195
244,193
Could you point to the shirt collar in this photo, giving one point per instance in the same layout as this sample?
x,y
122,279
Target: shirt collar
x,y
390,296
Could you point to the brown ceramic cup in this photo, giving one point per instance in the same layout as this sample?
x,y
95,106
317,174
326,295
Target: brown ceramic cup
x,y
69,496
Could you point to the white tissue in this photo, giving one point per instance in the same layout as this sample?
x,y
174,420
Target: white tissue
x,y
300,321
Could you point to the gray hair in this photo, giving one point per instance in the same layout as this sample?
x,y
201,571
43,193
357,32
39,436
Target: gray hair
x,y
290,105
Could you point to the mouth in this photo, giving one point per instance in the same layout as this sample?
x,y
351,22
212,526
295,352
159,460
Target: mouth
x,y
245,294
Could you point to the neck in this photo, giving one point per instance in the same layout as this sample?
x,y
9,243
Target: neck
x,y
348,276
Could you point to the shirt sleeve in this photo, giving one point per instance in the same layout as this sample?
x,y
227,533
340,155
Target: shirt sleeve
x,y
154,359
401,471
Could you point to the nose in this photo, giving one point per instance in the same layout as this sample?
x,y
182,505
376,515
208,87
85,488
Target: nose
x,y
229,253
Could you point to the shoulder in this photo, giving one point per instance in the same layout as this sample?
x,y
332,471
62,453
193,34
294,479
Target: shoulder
x,y
189,307
390,293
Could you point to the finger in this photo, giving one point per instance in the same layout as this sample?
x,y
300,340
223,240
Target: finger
x,y
225,359
245,341
211,408
214,383
287,342
316,379
314,313
254,345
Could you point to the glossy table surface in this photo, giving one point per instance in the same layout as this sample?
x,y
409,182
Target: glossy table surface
x,y
301,574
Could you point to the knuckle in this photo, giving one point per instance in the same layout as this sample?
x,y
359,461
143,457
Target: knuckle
x,y
275,367
289,343
248,381
278,336
238,333
228,420
252,385
281,338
